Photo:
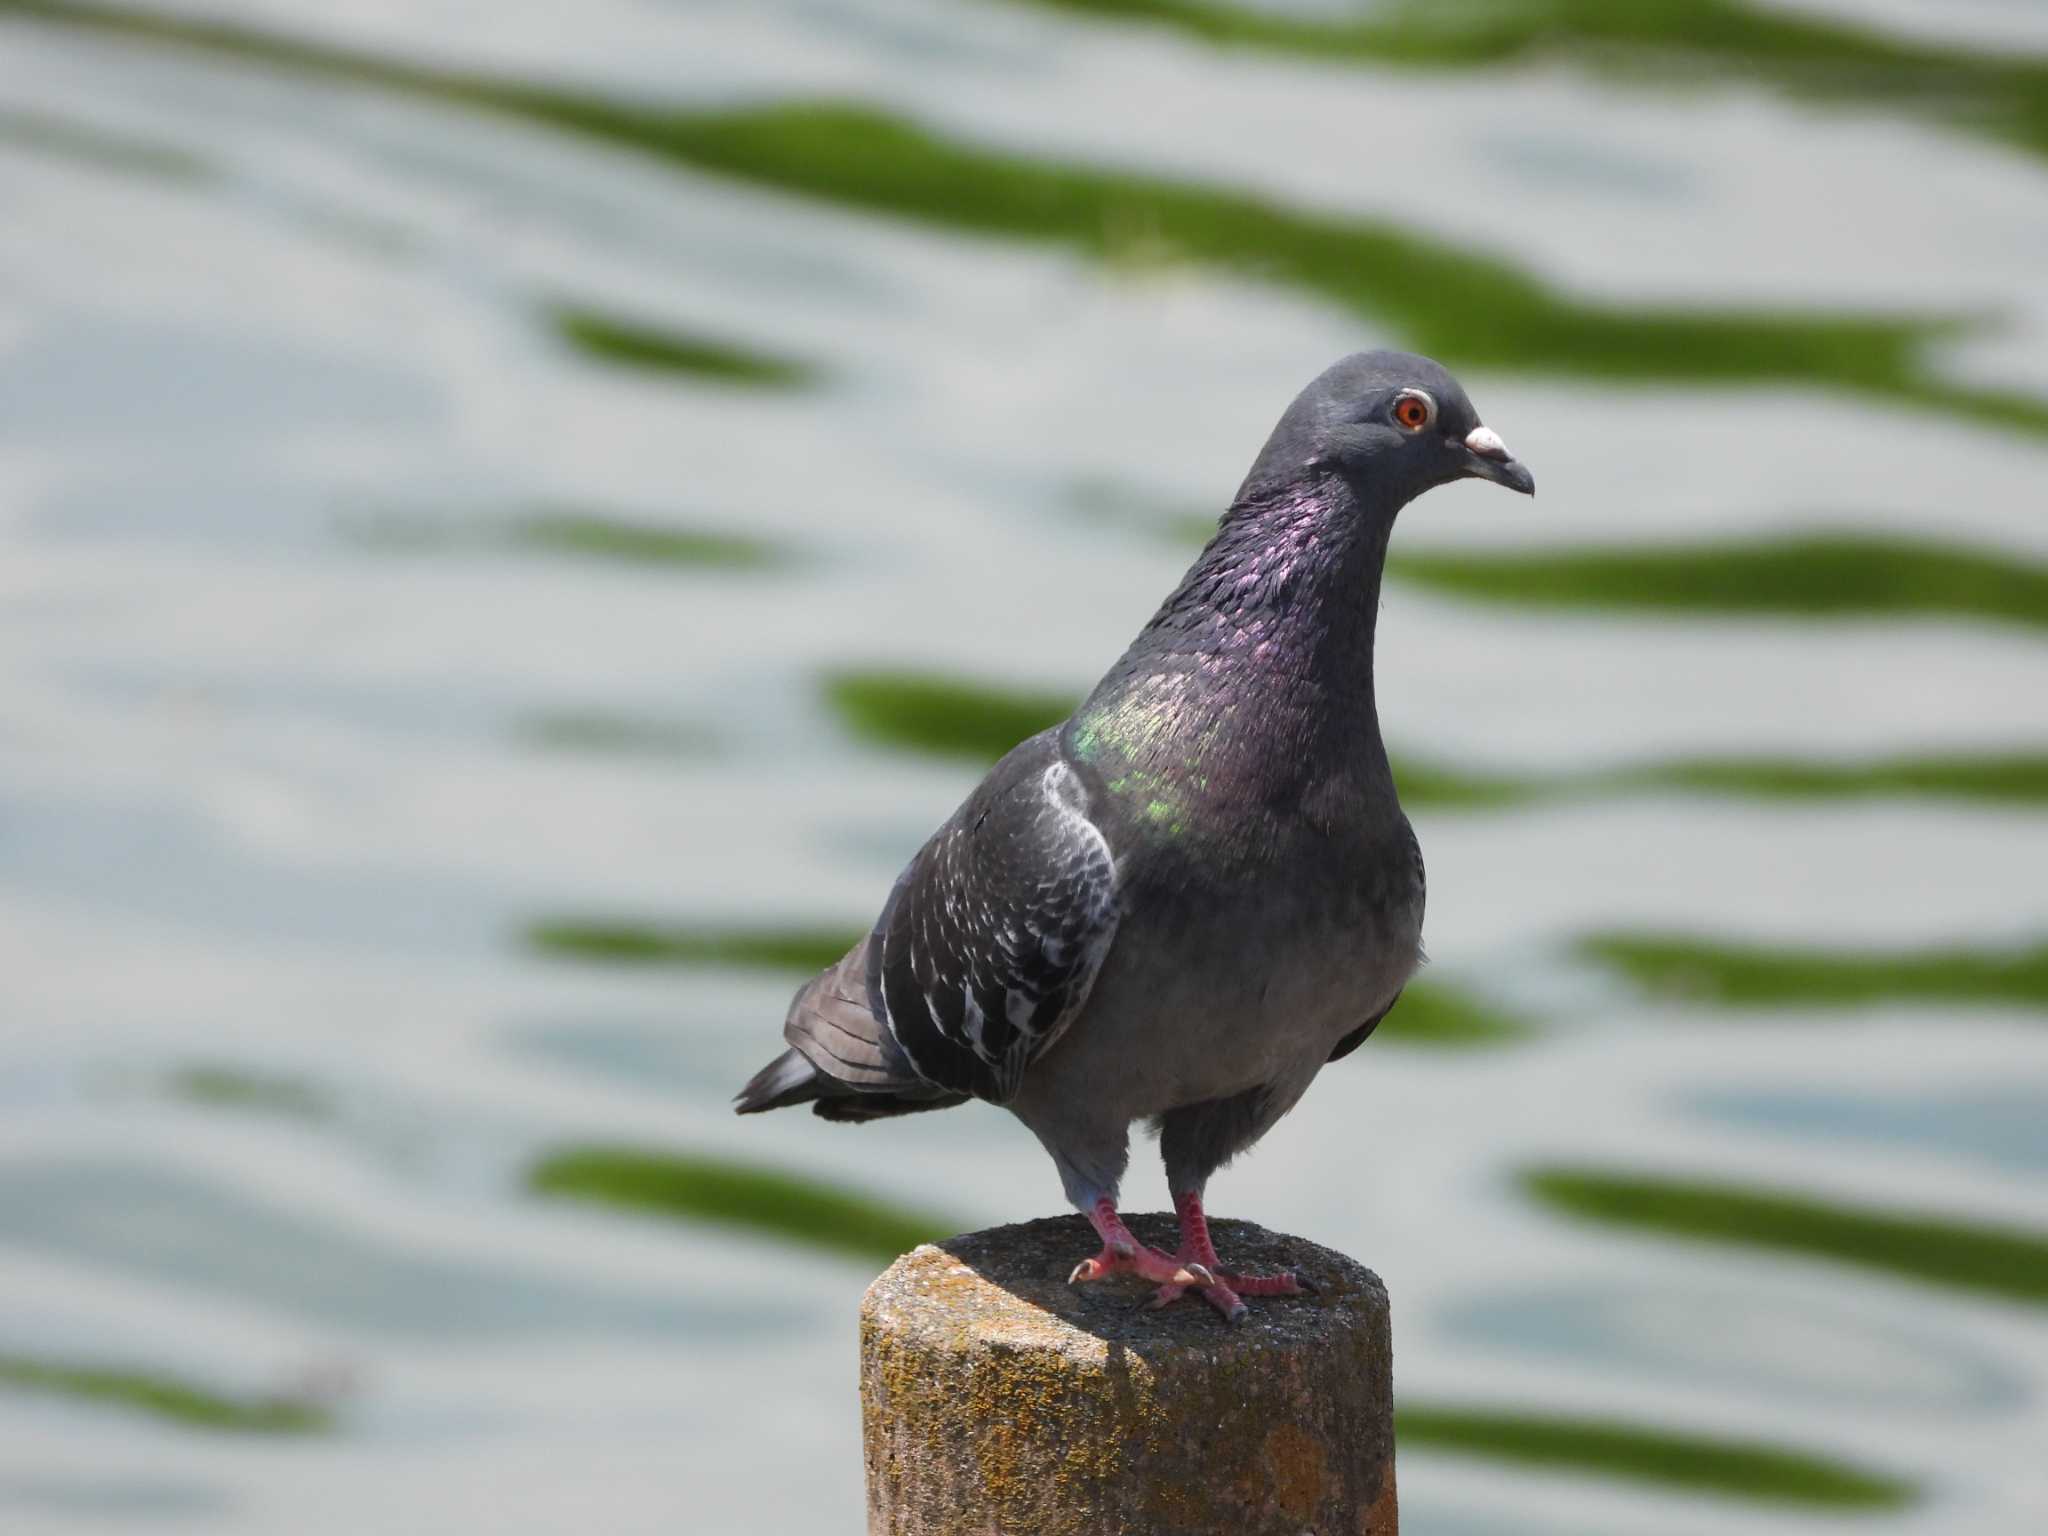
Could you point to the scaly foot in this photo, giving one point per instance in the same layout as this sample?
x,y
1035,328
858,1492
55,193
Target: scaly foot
x,y
1225,1291
1146,1264
1123,1254
1228,1291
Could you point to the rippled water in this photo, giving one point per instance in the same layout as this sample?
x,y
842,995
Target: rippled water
x,y
509,535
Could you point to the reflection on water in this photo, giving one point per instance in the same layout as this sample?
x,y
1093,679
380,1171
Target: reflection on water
x,y
2005,1128
187,1233
146,1499
1797,51
649,1053
164,1397
1832,1359
569,533
632,345
508,536
2006,1262
1754,976
1732,1469
261,1092
1814,575
717,1190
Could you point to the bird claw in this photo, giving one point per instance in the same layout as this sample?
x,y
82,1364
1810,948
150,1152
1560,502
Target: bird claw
x,y
1221,1291
1145,1263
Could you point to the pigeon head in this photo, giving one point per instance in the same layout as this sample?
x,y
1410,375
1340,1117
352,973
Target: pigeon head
x,y
1390,424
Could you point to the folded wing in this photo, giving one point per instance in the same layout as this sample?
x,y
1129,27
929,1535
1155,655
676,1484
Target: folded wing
x,y
994,935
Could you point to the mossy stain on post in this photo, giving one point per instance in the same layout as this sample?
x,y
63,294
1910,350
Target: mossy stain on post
x,y
996,1397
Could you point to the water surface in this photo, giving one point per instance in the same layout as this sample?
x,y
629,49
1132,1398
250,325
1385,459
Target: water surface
x,y
510,533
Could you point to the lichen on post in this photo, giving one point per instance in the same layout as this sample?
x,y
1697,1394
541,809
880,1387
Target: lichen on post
x,y
997,1400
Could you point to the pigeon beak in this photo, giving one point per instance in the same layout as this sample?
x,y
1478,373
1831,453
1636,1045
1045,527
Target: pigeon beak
x,y
1487,458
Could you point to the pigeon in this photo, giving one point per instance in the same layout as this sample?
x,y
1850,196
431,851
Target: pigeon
x,y
1178,905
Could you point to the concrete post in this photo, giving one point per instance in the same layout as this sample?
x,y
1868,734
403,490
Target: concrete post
x,y
996,1400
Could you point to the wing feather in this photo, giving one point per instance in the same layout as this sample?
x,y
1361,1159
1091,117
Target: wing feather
x,y
994,935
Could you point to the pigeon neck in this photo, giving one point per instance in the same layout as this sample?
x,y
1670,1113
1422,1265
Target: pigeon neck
x,y
1263,654
1290,583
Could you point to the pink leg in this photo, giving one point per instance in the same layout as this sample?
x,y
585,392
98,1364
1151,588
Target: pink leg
x,y
1123,1254
1226,1294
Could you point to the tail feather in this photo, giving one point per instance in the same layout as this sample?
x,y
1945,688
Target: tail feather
x,y
853,1108
841,1059
788,1079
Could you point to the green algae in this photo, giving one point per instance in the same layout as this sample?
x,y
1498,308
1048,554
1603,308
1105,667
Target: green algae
x,y
601,537
1436,786
2008,1263
1467,307
1470,308
1816,575
1659,1457
1430,1014
954,716
94,147
619,941
163,1397
577,532
1805,57
2016,778
611,734
219,1086
637,345
1438,1015
1763,976
945,715
2011,777
697,1187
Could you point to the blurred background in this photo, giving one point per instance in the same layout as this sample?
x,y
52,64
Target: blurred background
x,y
515,520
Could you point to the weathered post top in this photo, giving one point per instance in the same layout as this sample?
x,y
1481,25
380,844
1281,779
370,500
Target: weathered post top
x,y
997,1400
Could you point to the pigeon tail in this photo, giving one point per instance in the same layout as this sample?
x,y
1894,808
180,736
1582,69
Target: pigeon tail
x,y
787,1080
842,1060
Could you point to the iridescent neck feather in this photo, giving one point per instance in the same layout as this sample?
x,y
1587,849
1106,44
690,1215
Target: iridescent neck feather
x,y
1255,676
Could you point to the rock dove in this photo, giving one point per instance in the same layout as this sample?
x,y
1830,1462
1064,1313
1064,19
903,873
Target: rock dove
x,y
1180,903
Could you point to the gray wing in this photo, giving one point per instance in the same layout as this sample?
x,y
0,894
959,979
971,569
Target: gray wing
x,y
994,935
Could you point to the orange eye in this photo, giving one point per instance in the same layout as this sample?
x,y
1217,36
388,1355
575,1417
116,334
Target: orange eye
x,y
1414,410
